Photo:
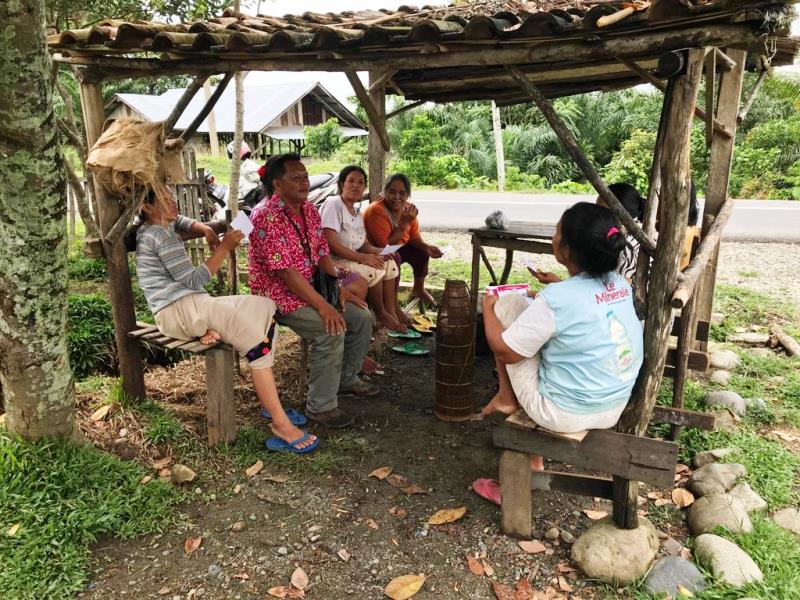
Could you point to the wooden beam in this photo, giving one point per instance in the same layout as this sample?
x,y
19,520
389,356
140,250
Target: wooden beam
x,y
183,102
752,97
686,418
381,80
725,61
571,483
602,450
376,149
201,116
699,113
375,116
120,290
675,184
711,93
568,140
404,108
705,251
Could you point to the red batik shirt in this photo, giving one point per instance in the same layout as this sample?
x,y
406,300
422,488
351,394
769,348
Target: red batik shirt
x,y
275,245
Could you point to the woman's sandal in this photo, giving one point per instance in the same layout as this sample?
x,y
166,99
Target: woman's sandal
x,y
409,334
276,444
411,349
488,489
295,418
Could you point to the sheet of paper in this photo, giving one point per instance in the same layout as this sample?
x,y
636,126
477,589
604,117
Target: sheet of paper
x,y
391,249
242,222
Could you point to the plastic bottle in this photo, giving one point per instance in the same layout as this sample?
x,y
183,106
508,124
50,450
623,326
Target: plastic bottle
x,y
622,346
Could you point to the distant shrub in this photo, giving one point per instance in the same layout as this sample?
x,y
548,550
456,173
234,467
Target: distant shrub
x,y
90,334
352,152
572,187
324,139
517,180
81,268
631,163
450,171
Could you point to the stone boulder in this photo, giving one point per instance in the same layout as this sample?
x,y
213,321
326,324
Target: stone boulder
x,y
711,456
671,573
715,478
749,337
720,377
724,359
788,518
613,555
718,510
725,421
726,399
748,497
726,561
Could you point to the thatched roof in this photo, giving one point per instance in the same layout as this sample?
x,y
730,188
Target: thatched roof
x,y
446,53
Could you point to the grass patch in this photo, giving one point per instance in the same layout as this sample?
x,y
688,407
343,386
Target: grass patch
x,y
90,335
64,497
163,428
743,307
771,468
666,514
81,268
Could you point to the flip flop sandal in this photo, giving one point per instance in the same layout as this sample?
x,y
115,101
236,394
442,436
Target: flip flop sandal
x,y
423,321
295,418
409,334
421,329
411,349
278,445
488,489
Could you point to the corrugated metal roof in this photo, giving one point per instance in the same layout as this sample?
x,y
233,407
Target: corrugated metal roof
x,y
262,105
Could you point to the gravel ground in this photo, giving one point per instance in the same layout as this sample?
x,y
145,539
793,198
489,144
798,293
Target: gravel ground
x,y
768,268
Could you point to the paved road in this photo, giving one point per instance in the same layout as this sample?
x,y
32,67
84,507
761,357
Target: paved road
x,y
752,220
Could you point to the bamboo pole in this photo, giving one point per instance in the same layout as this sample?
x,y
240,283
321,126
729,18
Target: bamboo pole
x,y
675,184
201,116
213,140
183,102
404,108
567,139
752,97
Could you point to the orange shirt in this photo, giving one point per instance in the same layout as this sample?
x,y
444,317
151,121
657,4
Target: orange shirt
x,y
379,226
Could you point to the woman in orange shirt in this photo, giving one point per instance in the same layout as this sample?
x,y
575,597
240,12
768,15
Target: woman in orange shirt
x,y
393,220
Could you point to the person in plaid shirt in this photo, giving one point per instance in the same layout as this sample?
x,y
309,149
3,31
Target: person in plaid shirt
x,y
287,246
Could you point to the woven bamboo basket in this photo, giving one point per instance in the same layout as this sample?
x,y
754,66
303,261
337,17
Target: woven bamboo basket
x,y
455,354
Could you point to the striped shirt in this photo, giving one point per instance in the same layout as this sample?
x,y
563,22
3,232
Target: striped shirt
x,y
163,266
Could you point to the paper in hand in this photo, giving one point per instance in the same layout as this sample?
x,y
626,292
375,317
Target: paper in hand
x,y
242,222
390,249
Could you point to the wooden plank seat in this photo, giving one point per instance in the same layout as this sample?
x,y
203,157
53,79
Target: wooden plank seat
x,y
625,457
220,413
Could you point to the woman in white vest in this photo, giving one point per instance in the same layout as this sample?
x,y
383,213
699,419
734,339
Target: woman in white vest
x,y
570,358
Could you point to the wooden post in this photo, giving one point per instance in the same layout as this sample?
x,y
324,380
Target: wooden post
x,y
209,106
220,412
122,307
685,340
183,102
719,170
675,184
213,140
625,503
515,490
474,282
375,150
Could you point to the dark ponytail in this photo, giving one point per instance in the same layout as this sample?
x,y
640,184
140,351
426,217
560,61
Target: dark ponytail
x,y
594,238
630,199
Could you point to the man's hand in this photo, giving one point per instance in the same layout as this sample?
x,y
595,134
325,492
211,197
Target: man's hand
x,y
546,277
371,260
231,240
434,252
212,239
489,300
408,212
346,296
333,321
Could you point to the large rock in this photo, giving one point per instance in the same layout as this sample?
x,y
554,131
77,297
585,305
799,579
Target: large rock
x,y
748,497
720,377
671,572
718,510
726,561
614,555
724,359
725,421
715,478
711,456
749,337
788,518
726,399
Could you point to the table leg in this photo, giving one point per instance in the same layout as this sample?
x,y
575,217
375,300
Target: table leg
x,y
507,267
476,273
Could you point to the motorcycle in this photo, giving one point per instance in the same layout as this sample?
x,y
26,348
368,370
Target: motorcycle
x,y
217,192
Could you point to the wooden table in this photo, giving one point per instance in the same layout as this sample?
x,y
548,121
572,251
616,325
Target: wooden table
x,y
520,235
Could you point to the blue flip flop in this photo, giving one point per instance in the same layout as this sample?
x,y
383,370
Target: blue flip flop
x,y
278,445
295,418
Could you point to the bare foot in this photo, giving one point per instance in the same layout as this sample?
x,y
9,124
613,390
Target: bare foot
x,y
537,463
290,433
210,337
501,404
386,319
402,318
424,296
370,366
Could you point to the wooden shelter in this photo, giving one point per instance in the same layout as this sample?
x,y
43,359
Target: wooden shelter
x,y
509,52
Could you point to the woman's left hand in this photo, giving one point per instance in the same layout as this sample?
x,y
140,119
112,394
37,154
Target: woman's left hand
x,y
434,252
211,237
489,301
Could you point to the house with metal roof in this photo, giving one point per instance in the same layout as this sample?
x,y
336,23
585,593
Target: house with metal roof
x,y
273,113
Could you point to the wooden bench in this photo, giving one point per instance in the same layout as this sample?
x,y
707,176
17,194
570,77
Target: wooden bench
x,y
220,412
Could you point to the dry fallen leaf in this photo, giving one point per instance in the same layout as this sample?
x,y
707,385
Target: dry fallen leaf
x,y
447,515
413,489
145,479
343,554
487,568
191,544
595,515
276,478
502,591
684,592
474,566
563,585
655,495
405,586
165,473
371,523
101,413
282,591
686,554
242,576
397,480
565,568
532,546
161,463
299,579
398,511
682,469
662,501
682,497
12,531
254,469
524,590
641,500
381,472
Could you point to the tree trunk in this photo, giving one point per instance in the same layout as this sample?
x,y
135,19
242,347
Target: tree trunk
x,y
35,377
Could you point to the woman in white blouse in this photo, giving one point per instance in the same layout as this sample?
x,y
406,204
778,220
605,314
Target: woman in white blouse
x,y
343,226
